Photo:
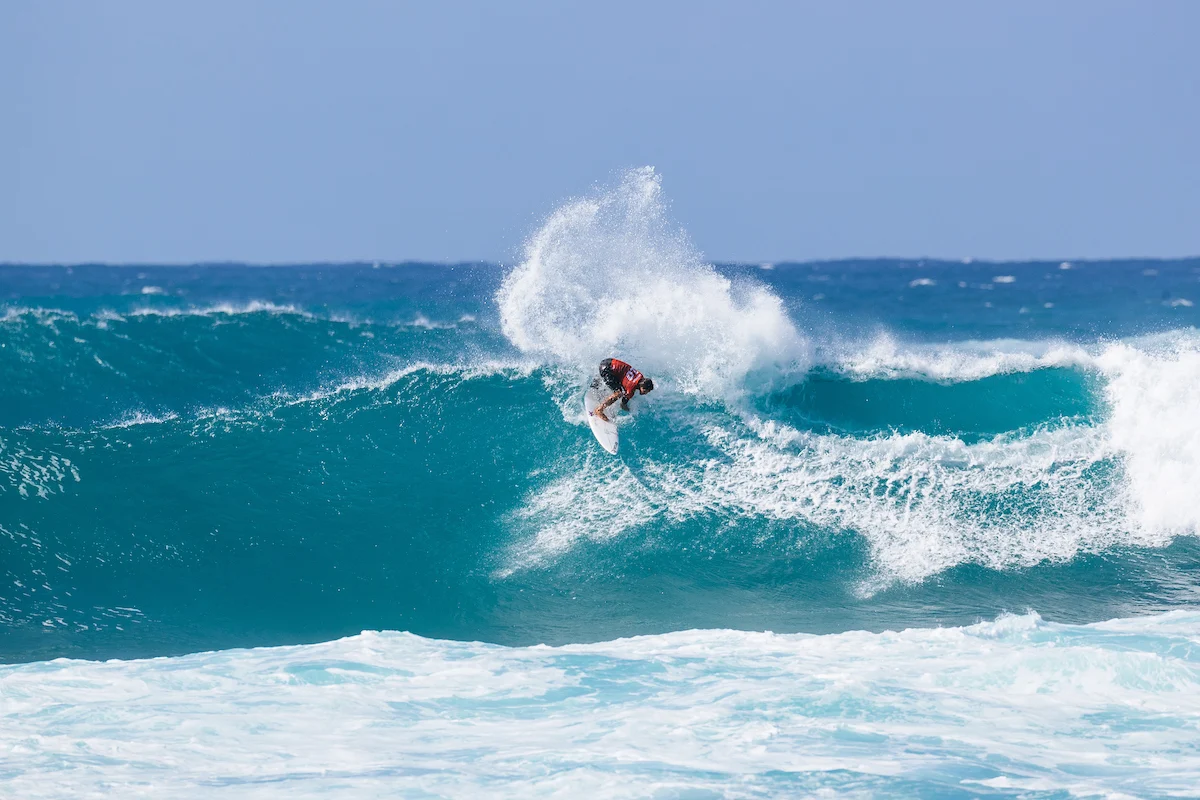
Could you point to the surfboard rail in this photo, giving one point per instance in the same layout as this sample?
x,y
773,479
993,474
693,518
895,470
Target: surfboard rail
x,y
605,431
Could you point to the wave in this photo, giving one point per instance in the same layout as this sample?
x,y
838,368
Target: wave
x,y
249,471
1014,707
923,503
44,315
63,367
1117,476
1056,471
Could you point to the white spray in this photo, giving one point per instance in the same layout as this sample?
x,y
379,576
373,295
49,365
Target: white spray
x,y
611,275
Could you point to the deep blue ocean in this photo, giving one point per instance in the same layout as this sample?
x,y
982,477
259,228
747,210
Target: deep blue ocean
x,y
209,457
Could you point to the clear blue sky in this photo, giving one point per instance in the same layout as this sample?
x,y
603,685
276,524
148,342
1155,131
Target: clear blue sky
x,y
302,131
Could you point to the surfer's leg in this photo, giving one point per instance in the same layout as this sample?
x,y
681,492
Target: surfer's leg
x,y
610,380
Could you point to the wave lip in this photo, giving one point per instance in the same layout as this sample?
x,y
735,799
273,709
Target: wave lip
x,y
886,358
1016,705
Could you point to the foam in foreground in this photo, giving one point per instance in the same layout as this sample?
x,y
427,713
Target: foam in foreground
x,y
1015,707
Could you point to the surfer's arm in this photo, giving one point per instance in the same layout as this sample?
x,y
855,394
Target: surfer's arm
x,y
600,408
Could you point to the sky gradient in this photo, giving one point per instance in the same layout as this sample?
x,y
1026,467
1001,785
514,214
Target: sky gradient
x,y
298,131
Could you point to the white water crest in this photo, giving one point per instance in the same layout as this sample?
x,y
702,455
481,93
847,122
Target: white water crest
x,y
885,357
1154,421
611,275
1016,707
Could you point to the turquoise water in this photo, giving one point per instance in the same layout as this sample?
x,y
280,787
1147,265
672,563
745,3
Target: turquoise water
x,y
278,455
960,494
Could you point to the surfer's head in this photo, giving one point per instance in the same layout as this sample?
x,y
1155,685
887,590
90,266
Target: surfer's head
x,y
646,386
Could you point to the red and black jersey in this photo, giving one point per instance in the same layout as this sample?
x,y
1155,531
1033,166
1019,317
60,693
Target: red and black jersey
x,y
620,376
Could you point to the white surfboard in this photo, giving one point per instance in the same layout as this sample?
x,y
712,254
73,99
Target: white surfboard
x,y
606,432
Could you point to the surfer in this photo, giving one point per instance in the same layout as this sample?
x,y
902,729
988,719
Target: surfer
x,y
625,382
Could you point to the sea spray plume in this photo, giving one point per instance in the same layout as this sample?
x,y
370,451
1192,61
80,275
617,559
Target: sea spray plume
x,y
611,274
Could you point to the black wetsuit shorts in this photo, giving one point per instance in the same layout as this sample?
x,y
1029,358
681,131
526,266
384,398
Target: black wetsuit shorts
x,y
612,377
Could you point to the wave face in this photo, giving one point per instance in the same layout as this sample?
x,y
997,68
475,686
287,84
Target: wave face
x,y
1018,707
211,457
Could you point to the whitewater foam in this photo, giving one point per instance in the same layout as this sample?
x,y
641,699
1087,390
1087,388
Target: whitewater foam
x,y
1015,706
600,501
610,275
923,503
